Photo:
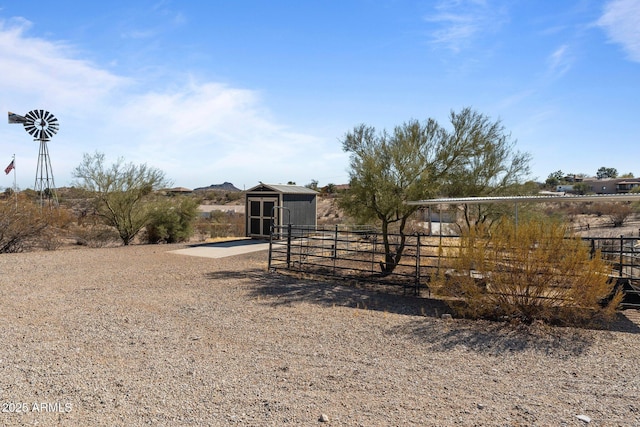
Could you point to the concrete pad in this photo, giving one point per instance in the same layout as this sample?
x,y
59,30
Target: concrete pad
x,y
224,249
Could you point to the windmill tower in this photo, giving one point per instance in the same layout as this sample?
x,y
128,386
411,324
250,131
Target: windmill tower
x,y
42,125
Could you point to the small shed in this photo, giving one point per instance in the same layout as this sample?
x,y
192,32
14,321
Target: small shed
x,y
287,204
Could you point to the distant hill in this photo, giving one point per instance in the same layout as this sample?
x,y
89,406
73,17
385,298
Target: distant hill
x,y
226,186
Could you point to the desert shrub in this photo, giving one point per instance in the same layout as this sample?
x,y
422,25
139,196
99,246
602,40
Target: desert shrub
x,y
21,223
171,220
58,221
533,271
617,213
223,197
96,236
221,224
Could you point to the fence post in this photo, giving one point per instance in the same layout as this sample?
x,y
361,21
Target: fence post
x,y
633,260
417,288
288,246
621,254
373,253
335,242
270,248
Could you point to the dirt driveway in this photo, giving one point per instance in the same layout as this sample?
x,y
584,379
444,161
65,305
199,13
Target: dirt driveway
x,y
142,335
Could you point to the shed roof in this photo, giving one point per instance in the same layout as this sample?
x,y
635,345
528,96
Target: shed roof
x,y
282,188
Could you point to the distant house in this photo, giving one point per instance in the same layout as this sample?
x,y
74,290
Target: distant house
x,y
612,185
177,190
627,185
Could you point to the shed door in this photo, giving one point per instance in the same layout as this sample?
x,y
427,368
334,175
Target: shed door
x,y
260,209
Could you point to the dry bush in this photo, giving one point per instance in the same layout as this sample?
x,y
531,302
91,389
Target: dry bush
x,y
617,213
535,271
96,236
58,220
22,223
220,224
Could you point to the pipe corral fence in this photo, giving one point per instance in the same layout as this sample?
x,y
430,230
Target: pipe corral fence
x,y
356,254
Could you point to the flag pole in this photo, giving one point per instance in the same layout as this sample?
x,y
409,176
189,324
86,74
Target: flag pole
x,y
15,187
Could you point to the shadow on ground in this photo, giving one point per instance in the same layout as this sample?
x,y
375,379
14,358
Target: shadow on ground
x,y
442,335
286,290
229,243
499,338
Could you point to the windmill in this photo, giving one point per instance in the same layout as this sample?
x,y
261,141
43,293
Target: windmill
x,y
42,125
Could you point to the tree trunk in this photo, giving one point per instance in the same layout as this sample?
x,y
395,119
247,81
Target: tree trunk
x,y
392,259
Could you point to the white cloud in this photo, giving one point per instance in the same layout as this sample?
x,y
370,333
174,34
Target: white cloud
x,y
460,22
620,22
199,133
45,72
560,61
214,129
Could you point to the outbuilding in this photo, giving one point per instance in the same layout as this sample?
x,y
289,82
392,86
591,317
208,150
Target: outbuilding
x,y
285,204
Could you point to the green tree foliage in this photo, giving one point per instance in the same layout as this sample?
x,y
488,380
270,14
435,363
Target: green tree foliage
x,y
533,271
171,220
604,172
328,189
421,160
581,188
554,178
121,192
388,170
313,185
492,168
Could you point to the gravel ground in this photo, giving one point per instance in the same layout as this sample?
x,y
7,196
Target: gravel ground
x,y
138,335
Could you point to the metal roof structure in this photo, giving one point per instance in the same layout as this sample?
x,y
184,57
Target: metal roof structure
x,y
526,199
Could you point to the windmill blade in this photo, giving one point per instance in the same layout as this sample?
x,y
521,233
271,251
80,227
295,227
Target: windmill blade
x,y
31,129
16,118
48,132
41,124
30,123
31,116
53,123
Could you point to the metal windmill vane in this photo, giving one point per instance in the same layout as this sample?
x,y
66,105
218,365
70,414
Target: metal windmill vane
x,y
42,125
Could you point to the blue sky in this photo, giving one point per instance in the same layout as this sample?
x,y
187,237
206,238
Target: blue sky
x,y
249,91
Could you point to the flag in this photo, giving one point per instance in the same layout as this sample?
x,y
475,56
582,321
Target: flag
x,y
10,167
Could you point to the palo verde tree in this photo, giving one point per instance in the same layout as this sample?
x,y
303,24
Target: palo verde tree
x,y
415,162
491,168
121,191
